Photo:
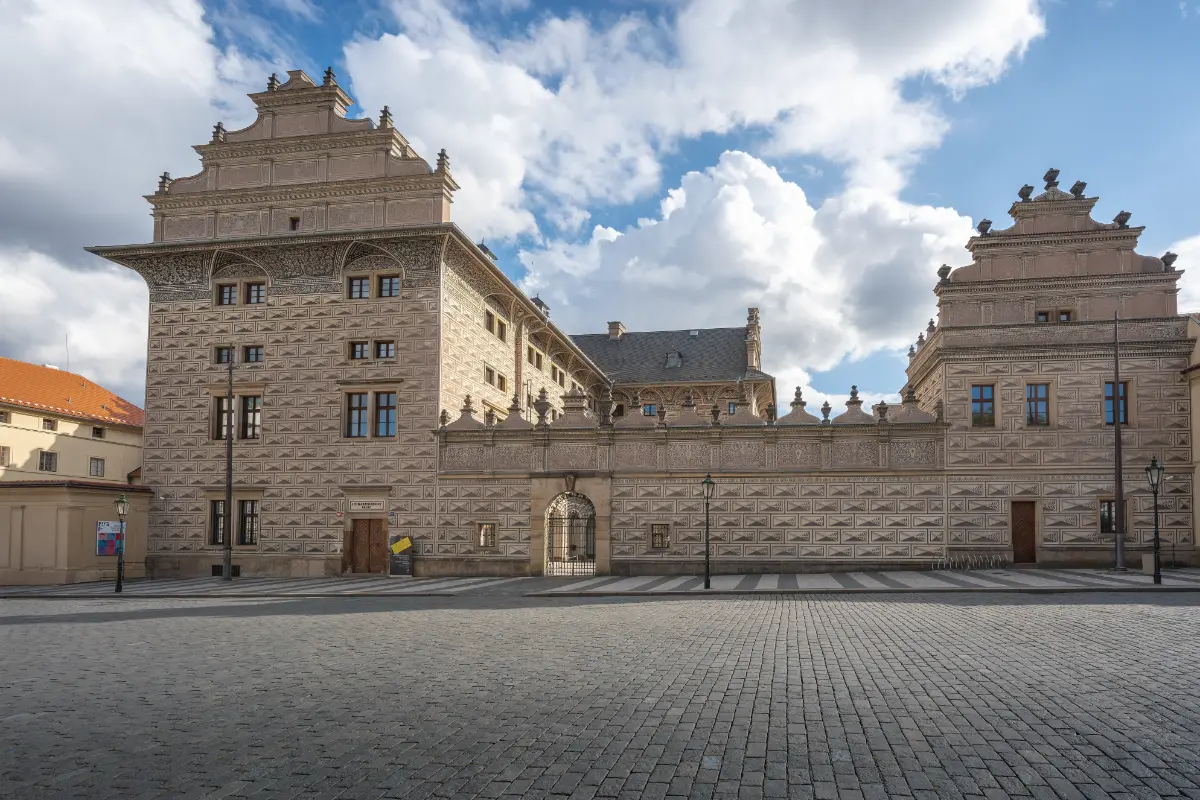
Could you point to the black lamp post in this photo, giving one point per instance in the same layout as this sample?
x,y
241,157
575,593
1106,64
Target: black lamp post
x,y
708,485
122,504
1154,475
227,517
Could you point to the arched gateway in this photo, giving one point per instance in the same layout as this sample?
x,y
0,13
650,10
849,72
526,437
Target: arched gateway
x,y
570,535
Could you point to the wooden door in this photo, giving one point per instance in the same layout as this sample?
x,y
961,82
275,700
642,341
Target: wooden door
x,y
360,546
1024,532
377,558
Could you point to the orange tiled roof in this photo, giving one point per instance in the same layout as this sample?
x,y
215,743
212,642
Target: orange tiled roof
x,y
65,393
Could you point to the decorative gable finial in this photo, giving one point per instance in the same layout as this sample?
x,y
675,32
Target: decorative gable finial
x,y
385,118
932,327
716,414
444,418
1168,259
771,413
882,408
1051,179
1077,188
443,162
330,77
853,393
218,133
542,407
272,82
912,351
489,418
798,401
920,340
984,226
825,409
943,273
1025,193
1122,219
164,182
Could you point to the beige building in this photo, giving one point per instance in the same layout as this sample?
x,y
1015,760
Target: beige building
x,y
316,253
58,425
68,449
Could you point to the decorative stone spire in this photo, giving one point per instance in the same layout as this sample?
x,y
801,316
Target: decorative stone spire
x,y
1168,259
912,351
1122,220
466,419
882,410
771,413
716,414
443,162
489,418
272,82
909,411
1051,179
943,273
1077,188
853,415
606,405
1026,193
984,226
444,418
515,419
825,409
330,77
932,327
164,182
385,118
218,133
542,407
920,341
798,416
662,414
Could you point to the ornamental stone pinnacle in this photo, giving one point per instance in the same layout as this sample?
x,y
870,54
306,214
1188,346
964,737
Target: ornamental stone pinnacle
x,y
164,182
272,82
329,78
984,226
218,135
1077,189
1025,193
385,119
1051,179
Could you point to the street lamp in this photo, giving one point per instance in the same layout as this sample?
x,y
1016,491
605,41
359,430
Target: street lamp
x,y
227,520
1154,475
708,485
122,504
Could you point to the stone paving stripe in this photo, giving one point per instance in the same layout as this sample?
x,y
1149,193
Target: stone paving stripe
x,y
748,583
1032,579
788,581
622,584
581,585
912,580
816,580
867,580
487,583
887,580
673,584
653,583
1181,576
425,585
691,584
991,577
959,580
846,581
727,583
768,583
1099,578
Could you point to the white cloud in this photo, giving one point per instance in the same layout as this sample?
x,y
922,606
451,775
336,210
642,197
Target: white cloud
x,y
569,113
849,277
1188,251
100,312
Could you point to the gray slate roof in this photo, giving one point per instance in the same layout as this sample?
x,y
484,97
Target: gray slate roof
x,y
713,354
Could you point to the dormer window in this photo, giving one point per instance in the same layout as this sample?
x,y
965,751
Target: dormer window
x,y
674,359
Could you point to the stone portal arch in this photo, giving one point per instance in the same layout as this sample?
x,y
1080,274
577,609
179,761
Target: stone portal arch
x,y
570,535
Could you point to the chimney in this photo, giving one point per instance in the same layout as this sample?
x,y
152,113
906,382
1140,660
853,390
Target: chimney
x,y
753,343
615,330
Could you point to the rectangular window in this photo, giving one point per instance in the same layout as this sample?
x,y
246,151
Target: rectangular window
x,y
356,415
227,294
732,408
253,354
97,432
562,379
360,351
247,522
1037,404
489,321
49,424
216,522
389,285
1122,404
47,461
4,418
489,376
293,223
256,293
529,354
660,536
96,467
983,406
650,410
385,413
224,355
360,288
501,330
1108,516
5,455
1064,316
502,383
251,417
537,360
487,534
222,417
385,349
619,411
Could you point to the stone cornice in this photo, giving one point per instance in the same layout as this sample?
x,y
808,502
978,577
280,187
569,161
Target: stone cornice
x,y
1055,239
1065,283
289,195
275,240
318,144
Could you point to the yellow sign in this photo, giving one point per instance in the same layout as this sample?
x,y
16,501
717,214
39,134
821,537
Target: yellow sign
x,y
402,545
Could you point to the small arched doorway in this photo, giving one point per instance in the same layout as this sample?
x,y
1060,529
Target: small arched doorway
x,y
570,535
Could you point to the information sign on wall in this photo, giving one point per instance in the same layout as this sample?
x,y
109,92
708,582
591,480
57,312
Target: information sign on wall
x,y
108,538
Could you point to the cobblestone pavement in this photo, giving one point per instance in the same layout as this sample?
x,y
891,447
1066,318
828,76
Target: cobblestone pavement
x,y
863,696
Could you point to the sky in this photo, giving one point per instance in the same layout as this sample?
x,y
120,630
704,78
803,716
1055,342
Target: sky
x,y
666,164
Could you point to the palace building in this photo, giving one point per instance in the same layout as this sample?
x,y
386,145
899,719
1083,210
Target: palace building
x,y
390,381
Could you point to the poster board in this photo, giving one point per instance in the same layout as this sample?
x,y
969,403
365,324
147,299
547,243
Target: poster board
x,y
109,538
400,556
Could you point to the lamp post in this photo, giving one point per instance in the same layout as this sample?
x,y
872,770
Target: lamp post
x,y
122,504
1154,476
708,485
227,522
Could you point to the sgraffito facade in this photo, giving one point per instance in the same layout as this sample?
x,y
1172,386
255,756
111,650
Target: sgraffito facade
x,y
317,255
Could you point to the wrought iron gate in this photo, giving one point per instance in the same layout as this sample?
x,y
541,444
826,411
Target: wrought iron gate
x,y
571,536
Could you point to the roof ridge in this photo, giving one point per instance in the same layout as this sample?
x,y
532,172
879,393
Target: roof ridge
x,y
676,330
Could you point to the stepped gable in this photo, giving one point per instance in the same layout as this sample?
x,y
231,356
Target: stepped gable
x,y
575,412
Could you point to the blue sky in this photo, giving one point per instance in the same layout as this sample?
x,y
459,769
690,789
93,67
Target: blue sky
x,y
817,159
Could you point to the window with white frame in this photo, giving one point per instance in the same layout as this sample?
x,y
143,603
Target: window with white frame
x,y
47,461
96,467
